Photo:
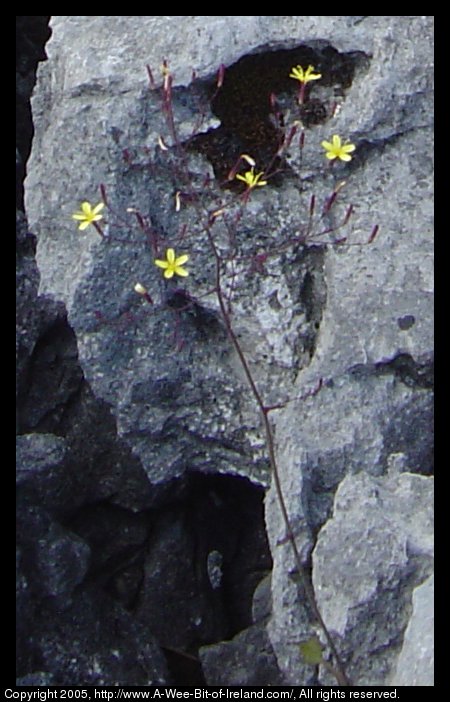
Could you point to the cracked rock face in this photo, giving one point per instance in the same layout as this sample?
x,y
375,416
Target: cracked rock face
x,y
415,664
368,557
344,314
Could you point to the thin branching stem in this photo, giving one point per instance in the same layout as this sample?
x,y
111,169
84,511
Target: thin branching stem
x,y
307,234
264,411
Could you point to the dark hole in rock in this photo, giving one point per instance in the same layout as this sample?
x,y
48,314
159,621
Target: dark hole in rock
x,y
406,322
249,124
312,297
187,570
419,374
184,669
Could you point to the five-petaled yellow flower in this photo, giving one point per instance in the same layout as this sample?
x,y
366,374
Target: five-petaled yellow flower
x,y
304,76
251,179
87,214
173,265
336,149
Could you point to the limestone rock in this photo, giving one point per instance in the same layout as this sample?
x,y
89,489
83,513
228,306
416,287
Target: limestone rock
x,y
357,317
37,455
37,679
103,106
107,647
368,557
247,659
415,665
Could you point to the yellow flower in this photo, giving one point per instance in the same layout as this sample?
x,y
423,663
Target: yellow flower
x,y
304,76
87,215
336,149
252,180
173,265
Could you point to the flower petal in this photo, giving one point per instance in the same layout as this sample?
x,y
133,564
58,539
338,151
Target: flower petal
x,y
345,157
79,216
181,259
160,264
326,145
181,271
84,225
86,208
98,208
170,255
169,273
348,148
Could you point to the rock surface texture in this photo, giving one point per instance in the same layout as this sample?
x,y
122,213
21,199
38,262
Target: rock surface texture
x,y
142,461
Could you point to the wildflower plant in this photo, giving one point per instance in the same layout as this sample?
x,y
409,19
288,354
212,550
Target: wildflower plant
x,y
304,77
252,179
173,265
88,214
337,150
229,256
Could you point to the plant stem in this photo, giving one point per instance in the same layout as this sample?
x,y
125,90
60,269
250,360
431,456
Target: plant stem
x,y
264,411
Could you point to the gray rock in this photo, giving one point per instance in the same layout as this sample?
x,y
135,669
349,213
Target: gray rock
x,y
415,665
95,642
53,560
368,557
248,659
37,679
62,561
262,600
37,455
354,430
24,618
116,356
359,317
55,473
